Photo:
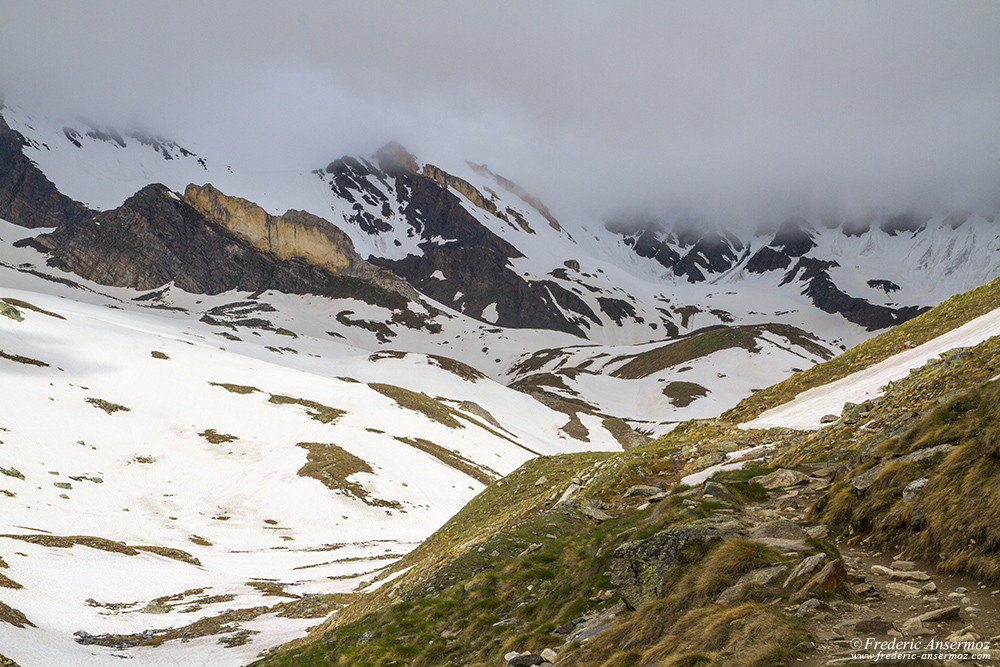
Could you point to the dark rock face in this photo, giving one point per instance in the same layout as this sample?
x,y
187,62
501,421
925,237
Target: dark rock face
x,y
687,251
27,197
792,239
884,285
639,569
767,259
829,298
474,260
155,238
902,223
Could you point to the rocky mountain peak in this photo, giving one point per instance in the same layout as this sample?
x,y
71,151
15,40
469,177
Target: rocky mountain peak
x,y
27,197
393,158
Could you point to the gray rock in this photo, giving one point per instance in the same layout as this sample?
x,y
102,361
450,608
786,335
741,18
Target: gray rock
x,y
781,544
761,577
828,419
913,488
525,660
873,626
569,493
781,528
156,608
902,589
642,490
804,569
709,460
904,565
639,569
942,614
594,512
590,625
852,412
914,575
860,483
914,628
717,490
827,579
548,655
781,478
812,604
818,532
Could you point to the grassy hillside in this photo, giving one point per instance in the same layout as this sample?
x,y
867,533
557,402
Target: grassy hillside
x,y
948,315
518,570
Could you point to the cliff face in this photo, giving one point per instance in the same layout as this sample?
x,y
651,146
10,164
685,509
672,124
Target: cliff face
x,y
294,236
27,197
155,238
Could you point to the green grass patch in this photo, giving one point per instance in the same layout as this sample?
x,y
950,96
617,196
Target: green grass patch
x,y
321,413
419,402
948,315
107,406
20,359
332,465
17,303
452,459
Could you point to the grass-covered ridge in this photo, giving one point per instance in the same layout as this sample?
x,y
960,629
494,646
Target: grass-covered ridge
x,y
954,515
528,583
707,341
516,566
948,315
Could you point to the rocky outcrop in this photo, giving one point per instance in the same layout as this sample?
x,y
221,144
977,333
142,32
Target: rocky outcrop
x,y
155,238
688,250
473,260
829,298
294,235
464,188
515,189
639,569
27,197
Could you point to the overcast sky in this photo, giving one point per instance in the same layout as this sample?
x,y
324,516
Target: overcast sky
x,y
731,108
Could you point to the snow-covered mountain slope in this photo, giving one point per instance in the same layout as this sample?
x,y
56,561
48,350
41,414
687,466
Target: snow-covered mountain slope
x,y
220,416
625,282
656,385
158,470
806,411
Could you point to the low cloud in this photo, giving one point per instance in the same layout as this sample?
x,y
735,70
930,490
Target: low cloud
x,y
726,109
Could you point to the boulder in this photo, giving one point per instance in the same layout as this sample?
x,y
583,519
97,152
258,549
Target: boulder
x,y
761,577
642,490
805,568
824,581
525,660
781,528
860,483
914,628
942,614
639,569
781,478
873,626
717,490
709,460
902,589
913,488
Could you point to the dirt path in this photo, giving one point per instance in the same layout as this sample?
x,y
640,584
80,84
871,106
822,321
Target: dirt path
x,y
883,608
